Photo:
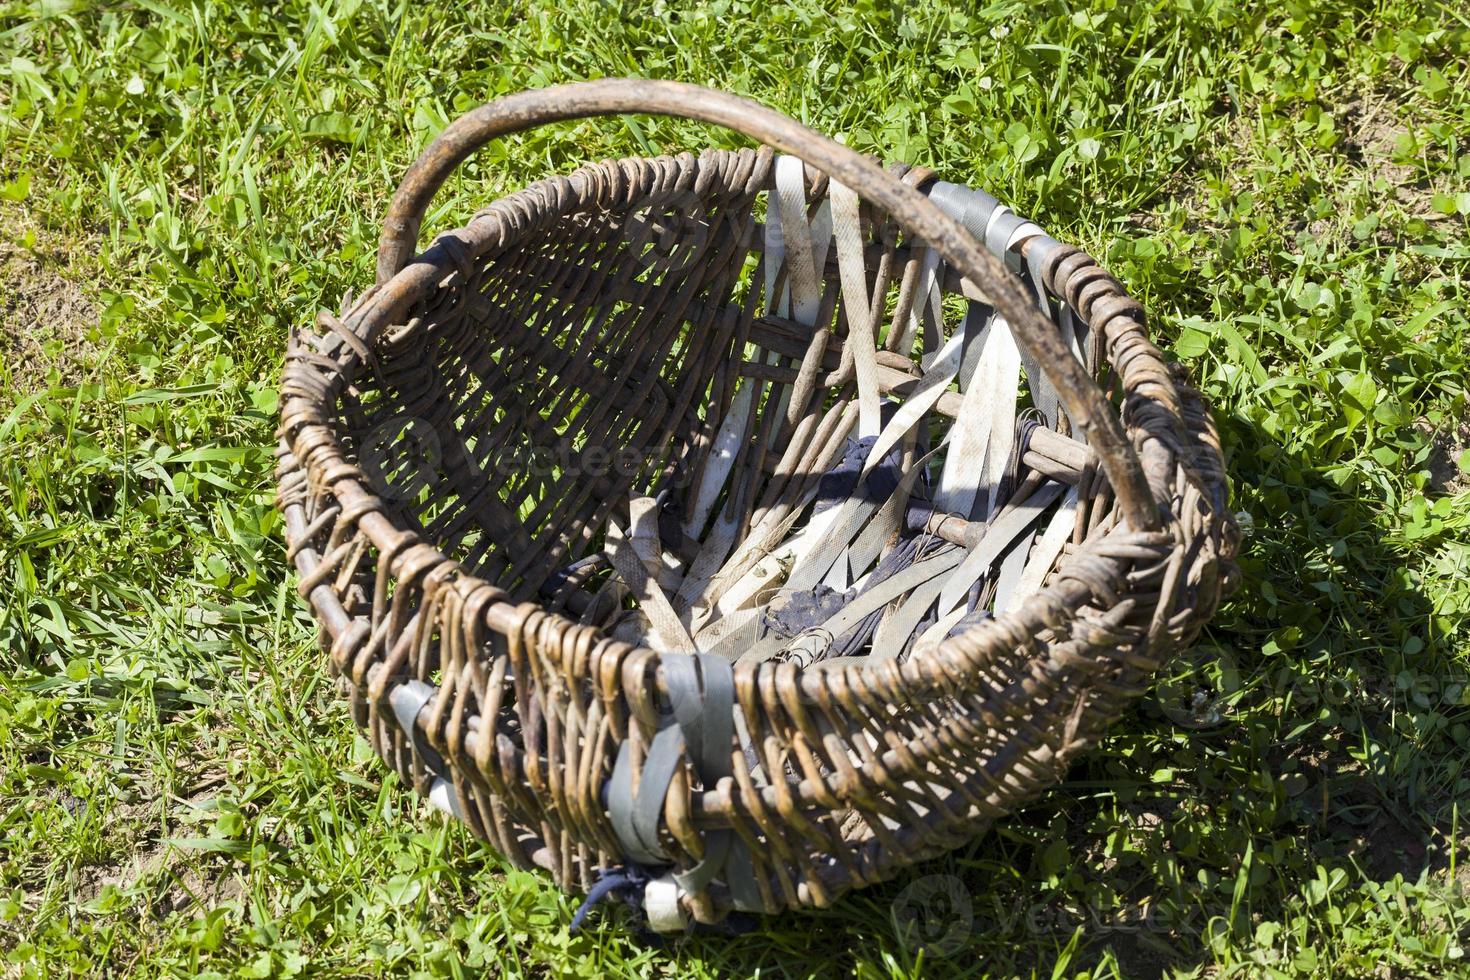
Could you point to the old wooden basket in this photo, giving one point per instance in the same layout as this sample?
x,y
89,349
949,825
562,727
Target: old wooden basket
x,y
753,524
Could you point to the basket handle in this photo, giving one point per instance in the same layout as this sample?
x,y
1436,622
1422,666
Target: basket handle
x,y
1086,405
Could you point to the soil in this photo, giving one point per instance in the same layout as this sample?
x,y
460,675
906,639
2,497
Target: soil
x,y
169,879
1370,130
1449,442
45,313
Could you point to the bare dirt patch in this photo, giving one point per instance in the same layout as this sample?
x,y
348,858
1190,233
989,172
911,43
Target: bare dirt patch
x,y
45,314
1370,132
166,878
1446,446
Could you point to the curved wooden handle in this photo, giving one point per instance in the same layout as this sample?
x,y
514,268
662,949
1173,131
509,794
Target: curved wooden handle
x,y
1086,405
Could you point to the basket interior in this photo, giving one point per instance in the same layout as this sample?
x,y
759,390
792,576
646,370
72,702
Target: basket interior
x,y
648,409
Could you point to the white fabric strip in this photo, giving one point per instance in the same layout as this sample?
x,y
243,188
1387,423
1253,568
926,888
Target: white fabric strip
x,y
983,434
805,246
753,587
733,430
774,255
1011,567
802,279
932,306
777,244
710,636
885,524
935,634
721,458
708,580
894,631
849,517
1044,555
889,589
1023,231
735,636
771,570
837,578
643,534
704,568
847,229
1004,372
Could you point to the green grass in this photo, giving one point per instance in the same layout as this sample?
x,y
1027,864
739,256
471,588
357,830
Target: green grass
x,y
1286,186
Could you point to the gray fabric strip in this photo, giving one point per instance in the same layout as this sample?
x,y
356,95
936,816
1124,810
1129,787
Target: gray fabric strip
x,y
998,238
703,700
745,894
620,808
681,681
658,770
702,694
716,856
1041,247
976,326
1043,393
701,691
407,701
971,208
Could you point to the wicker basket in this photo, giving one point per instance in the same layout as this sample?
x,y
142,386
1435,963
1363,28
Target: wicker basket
x,y
677,516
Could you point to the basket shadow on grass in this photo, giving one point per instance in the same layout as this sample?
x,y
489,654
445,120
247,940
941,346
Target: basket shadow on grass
x,y
1135,860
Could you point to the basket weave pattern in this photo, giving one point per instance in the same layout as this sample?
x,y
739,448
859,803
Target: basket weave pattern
x,y
588,654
